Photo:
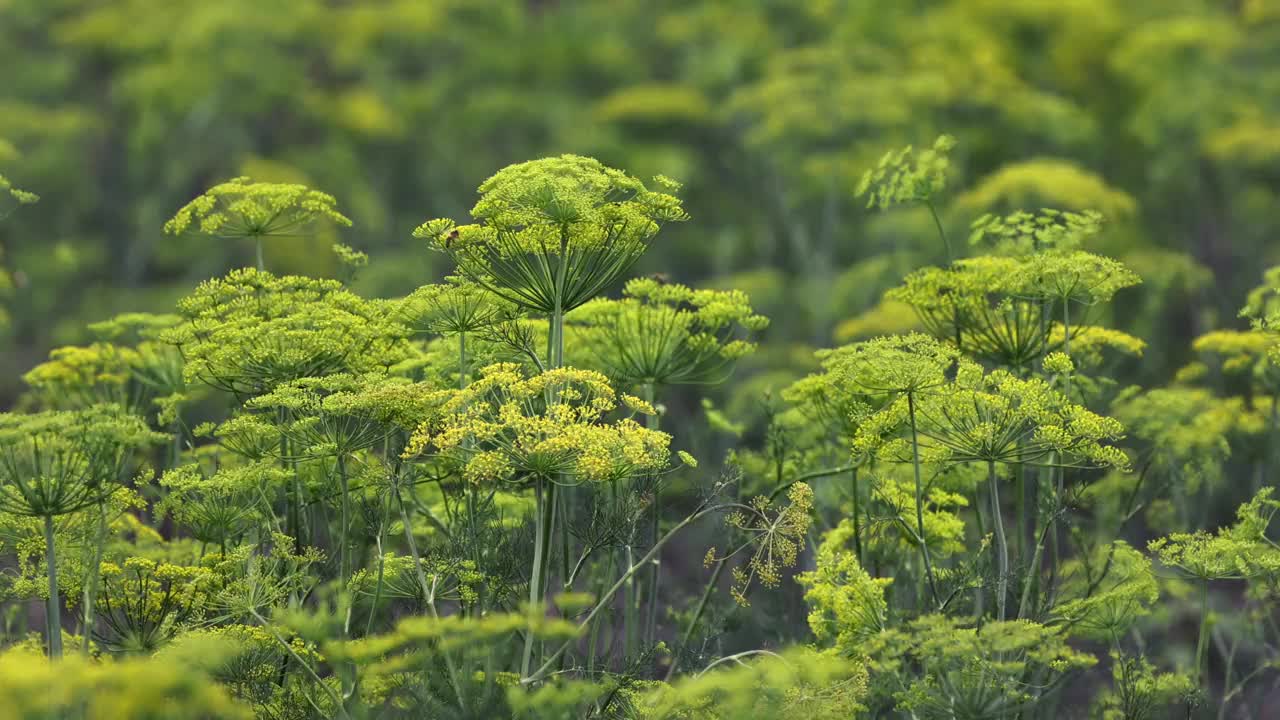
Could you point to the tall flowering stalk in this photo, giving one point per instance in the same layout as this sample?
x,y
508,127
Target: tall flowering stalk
x,y
549,235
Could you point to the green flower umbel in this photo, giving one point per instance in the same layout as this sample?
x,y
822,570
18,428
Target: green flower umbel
x,y
241,208
550,234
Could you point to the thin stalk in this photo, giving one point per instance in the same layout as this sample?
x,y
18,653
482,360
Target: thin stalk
x,y
1020,513
651,422
631,605
607,598
176,448
1202,641
1057,475
428,594
697,616
979,600
377,589
1002,545
946,242
857,516
473,522
338,705
594,640
95,574
261,265
53,610
545,496
915,462
540,551
344,568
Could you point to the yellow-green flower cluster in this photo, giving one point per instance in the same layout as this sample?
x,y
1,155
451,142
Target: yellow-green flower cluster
x,y
143,603
997,417
897,364
1089,341
994,306
1078,277
665,333
1105,593
577,192
553,425
75,376
826,399
1187,429
222,506
103,372
950,670
981,304
57,462
339,414
455,306
242,208
251,330
1240,552
551,234
15,195
775,539
846,604
906,176
797,684
1239,350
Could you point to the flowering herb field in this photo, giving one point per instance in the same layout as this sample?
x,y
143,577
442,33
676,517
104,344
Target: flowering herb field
x,y
970,445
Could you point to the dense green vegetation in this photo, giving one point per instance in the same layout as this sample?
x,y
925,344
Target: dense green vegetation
x,y
938,383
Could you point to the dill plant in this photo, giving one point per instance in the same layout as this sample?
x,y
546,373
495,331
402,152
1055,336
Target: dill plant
x,y
457,503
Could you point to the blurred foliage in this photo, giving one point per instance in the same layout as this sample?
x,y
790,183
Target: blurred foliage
x,y
1161,115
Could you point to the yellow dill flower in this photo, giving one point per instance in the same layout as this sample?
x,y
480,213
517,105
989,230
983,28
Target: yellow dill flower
x,y
552,425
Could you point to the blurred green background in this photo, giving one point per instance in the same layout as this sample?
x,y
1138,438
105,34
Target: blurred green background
x,y
1163,115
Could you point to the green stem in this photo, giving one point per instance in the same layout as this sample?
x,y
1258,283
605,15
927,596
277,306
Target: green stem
x,y
605,599
53,610
651,422
857,516
697,616
95,574
980,596
946,242
344,565
428,594
338,705
594,640
631,605
915,462
261,265
542,511
1002,545
377,590
1202,641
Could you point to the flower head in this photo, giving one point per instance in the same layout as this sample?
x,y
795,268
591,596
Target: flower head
x,y
242,208
550,234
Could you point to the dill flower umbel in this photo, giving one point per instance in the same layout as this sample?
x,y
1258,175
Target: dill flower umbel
x,y
242,208
665,333
251,330
551,234
553,425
